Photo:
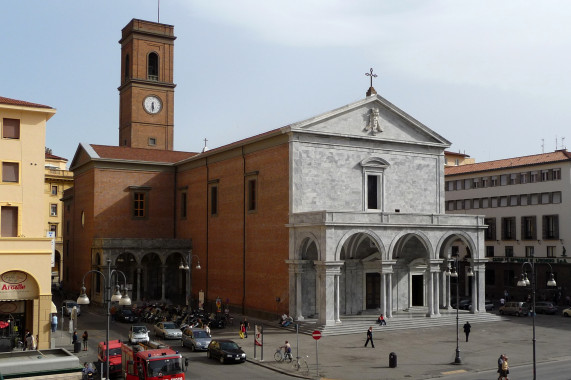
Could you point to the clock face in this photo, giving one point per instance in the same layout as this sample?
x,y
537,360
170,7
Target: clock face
x,y
152,104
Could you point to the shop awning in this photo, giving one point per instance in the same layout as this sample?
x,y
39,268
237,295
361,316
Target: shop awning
x,y
54,308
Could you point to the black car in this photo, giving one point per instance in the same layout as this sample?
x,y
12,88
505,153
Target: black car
x,y
545,307
225,350
126,315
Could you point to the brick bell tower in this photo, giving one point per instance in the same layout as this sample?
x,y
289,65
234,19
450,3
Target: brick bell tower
x,y
146,108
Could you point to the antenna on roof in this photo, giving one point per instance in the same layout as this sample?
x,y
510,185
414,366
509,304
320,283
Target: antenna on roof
x,y
562,142
542,146
158,11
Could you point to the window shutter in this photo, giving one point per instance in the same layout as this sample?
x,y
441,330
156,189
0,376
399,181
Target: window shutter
x,y
556,226
11,129
9,217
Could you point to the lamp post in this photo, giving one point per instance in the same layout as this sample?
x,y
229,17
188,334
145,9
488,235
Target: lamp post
x,y
454,273
524,281
186,265
123,299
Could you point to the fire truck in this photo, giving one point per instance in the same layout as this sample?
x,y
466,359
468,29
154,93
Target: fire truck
x,y
114,357
144,362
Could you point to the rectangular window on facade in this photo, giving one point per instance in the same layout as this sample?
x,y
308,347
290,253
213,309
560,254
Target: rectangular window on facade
x,y
252,195
53,209
545,198
467,204
53,228
11,172
529,251
54,189
556,174
523,200
545,175
503,179
139,204
485,202
523,177
509,251
9,221
476,203
550,251
459,204
213,200
183,204
449,185
373,192
467,184
508,228
459,184
503,201
476,183
494,181
513,179
514,200
534,199
509,278
494,202
485,182
489,251
550,226
528,228
152,141
490,233
533,177
450,205
556,197
10,128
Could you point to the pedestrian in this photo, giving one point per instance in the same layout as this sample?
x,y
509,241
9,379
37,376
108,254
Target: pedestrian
x,y
30,342
370,337
500,362
26,339
246,327
74,338
467,328
505,368
85,337
242,330
54,322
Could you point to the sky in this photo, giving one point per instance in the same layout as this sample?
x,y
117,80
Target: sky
x,y
492,77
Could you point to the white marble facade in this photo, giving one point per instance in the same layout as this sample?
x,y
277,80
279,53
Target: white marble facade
x,y
367,223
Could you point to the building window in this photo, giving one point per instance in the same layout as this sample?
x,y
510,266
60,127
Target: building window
x,y
508,228
503,179
523,200
528,251
67,227
214,200
10,128
509,278
9,221
550,251
373,191
127,65
533,177
503,201
556,174
528,228
183,205
476,203
545,175
513,200
467,184
252,195
494,202
489,251
485,202
53,228
513,179
457,162
467,204
459,204
556,197
523,178
139,205
10,172
534,199
490,233
509,251
459,184
53,209
550,226
485,182
450,205
54,190
449,185
152,141
494,181
476,183
153,67
545,198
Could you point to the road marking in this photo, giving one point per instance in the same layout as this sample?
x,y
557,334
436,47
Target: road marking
x,y
454,372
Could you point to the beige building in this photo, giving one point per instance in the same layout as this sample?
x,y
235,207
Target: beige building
x,y
527,206
25,251
57,179
457,159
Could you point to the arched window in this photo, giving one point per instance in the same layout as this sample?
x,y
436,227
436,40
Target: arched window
x,y
127,67
153,67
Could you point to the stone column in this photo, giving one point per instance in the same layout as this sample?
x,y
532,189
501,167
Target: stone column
x,y
337,299
138,270
437,293
383,293
390,295
430,292
327,271
163,278
448,294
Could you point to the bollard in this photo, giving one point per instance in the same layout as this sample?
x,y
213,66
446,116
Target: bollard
x,y
392,360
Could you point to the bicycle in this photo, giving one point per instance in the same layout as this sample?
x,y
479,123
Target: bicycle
x,y
301,365
280,356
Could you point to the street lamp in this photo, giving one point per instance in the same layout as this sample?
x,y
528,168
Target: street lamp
x,y
186,265
454,273
524,281
123,299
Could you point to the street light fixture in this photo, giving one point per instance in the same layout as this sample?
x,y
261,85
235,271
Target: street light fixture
x,y
187,266
123,300
454,273
524,281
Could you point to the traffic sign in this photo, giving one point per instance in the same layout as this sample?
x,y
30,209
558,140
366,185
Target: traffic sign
x,y
316,334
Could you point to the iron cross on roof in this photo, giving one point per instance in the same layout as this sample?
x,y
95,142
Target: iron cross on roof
x,y
370,74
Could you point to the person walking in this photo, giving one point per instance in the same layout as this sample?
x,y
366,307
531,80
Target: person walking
x,y
500,362
74,338
505,369
242,330
246,327
85,338
467,328
370,337
54,322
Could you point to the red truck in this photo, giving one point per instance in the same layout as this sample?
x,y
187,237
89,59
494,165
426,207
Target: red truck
x,y
114,357
142,362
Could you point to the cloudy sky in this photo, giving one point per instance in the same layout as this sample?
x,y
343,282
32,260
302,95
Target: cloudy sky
x,y
493,77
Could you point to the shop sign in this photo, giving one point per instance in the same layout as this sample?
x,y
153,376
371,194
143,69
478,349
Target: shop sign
x,y
521,260
17,285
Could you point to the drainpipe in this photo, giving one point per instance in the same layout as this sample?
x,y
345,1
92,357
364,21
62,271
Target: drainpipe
x,y
207,227
243,232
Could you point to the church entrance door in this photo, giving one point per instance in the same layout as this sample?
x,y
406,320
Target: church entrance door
x,y
417,290
373,290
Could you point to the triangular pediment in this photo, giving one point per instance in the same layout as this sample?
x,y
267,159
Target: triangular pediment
x,y
83,154
372,118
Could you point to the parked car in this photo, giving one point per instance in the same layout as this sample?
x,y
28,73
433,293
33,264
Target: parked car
x,y
515,308
138,334
464,303
126,315
567,312
545,307
489,305
225,350
167,330
195,338
68,307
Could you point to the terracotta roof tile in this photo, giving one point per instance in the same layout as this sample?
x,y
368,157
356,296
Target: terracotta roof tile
x,y
54,157
15,102
544,158
140,154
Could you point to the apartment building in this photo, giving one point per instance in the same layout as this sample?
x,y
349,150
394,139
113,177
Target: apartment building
x,y
527,206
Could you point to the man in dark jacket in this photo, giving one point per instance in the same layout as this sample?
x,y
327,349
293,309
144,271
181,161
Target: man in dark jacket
x,y
467,327
370,337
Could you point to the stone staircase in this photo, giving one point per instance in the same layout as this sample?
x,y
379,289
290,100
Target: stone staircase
x,y
413,318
